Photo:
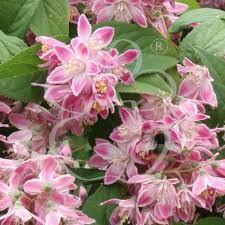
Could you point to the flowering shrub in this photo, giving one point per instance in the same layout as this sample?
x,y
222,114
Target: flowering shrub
x,y
114,114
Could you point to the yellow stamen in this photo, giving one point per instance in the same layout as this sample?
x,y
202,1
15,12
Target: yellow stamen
x,y
101,87
45,48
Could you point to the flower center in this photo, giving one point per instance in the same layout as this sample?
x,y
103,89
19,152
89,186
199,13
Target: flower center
x,y
96,106
118,71
74,67
122,12
96,44
45,48
101,87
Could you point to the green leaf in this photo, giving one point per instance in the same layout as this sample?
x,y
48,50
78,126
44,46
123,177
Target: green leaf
x,y
101,213
16,15
211,221
81,147
20,88
213,41
193,4
24,63
88,175
51,18
196,16
46,17
9,46
152,84
18,73
216,67
157,53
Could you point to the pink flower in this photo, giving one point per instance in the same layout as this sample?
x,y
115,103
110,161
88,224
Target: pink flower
x,y
157,193
123,11
116,159
130,131
196,83
47,180
126,212
104,93
203,180
188,202
76,67
95,42
120,70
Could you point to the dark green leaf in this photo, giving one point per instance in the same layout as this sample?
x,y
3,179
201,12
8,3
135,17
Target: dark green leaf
x,y
152,84
211,221
212,40
99,212
196,16
51,18
46,17
9,46
22,64
88,175
16,15
193,4
20,88
80,147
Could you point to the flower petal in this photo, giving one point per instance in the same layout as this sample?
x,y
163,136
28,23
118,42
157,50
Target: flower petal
x,y
113,173
83,28
78,84
33,186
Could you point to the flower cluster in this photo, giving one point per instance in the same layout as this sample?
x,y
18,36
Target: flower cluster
x,y
83,75
160,13
162,151
35,186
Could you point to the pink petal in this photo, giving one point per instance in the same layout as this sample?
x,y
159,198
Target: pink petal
x,y
106,150
20,136
207,93
4,188
217,183
82,51
63,181
5,202
145,198
127,77
49,167
200,184
98,5
104,35
127,117
139,17
98,162
23,214
19,121
106,14
58,76
64,53
4,108
92,68
53,218
139,179
83,28
114,173
128,56
131,170
33,186
78,84
56,93
187,88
